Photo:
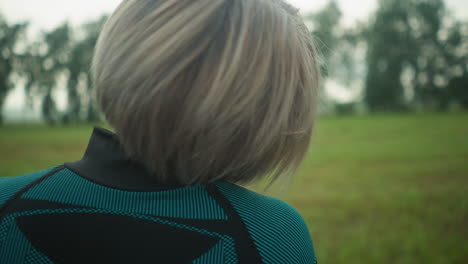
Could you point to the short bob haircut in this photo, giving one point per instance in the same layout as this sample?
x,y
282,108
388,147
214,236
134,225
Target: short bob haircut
x,y
201,91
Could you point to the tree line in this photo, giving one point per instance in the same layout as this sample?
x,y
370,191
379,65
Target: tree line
x,y
61,56
410,54
415,54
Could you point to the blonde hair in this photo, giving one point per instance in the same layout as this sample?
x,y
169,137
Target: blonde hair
x,y
201,91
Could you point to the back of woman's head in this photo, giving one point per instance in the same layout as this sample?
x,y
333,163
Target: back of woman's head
x,y
207,90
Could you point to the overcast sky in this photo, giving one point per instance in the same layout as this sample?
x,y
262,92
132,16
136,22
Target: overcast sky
x,y
49,13
46,14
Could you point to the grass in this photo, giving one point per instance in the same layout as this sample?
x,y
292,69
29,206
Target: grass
x,y
374,189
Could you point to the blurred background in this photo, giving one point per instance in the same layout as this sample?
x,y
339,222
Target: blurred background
x,y
386,180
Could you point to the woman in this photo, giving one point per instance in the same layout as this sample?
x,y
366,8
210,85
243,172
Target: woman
x,y
203,95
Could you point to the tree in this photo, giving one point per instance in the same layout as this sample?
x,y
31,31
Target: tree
x,y
459,89
338,48
325,30
433,59
42,65
79,74
389,44
414,48
63,57
10,35
457,49
453,44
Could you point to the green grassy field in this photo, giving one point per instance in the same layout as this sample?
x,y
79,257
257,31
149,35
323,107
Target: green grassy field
x,y
374,189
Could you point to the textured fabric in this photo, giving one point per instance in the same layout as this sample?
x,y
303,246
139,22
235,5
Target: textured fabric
x,y
36,257
224,253
215,255
15,247
76,190
18,248
11,185
278,230
81,196
279,233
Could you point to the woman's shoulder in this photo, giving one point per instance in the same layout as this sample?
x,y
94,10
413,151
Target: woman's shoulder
x,y
279,231
11,186
246,201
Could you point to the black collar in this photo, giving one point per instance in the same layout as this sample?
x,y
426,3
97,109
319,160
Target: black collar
x,y
106,163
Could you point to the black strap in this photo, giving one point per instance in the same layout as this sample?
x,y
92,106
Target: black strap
x,y
25,189
247,252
